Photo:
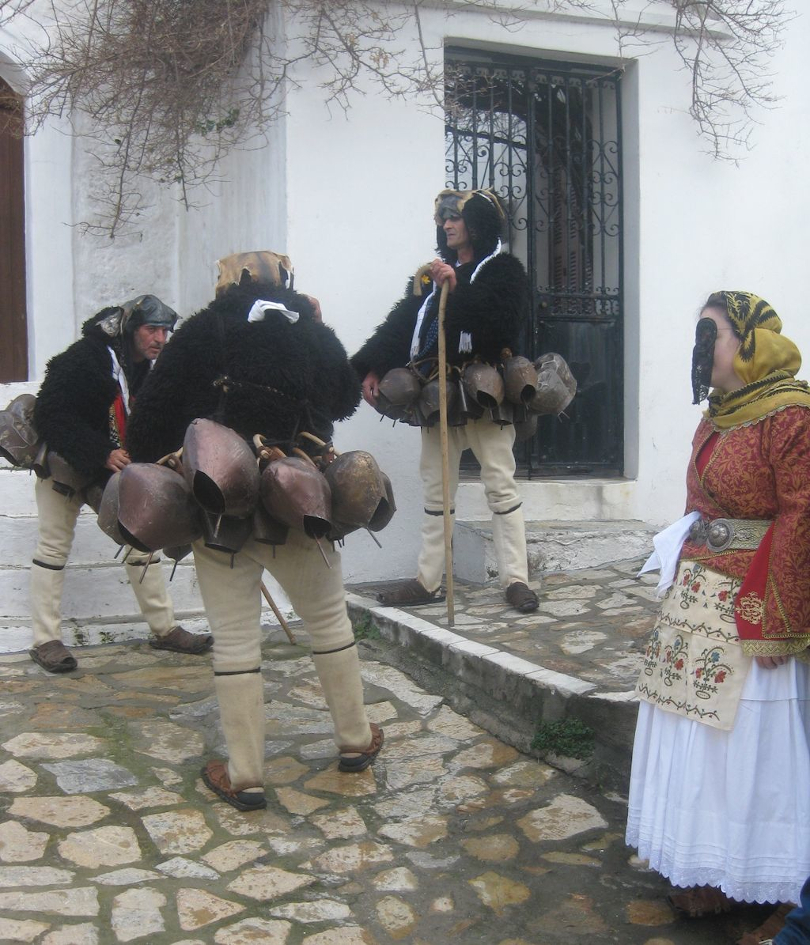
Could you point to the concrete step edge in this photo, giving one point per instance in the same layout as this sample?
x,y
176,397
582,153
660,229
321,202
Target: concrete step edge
x,y
517,692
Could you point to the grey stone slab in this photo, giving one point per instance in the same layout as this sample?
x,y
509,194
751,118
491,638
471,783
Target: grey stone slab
x,y
92,774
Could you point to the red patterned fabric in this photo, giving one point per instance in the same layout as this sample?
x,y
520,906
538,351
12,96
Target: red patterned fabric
x,y
760,471
748,610
705,454
118,420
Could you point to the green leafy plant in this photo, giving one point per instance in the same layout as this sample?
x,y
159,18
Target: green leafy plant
x,y
568,737
365,628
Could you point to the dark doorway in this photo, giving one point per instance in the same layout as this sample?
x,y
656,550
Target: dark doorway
x,y
13,317
546,136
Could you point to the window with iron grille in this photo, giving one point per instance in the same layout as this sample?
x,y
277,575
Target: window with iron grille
x,y
546,136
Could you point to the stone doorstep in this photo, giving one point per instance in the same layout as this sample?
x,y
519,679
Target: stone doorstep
x,y
551,546
95,591
15,635
506,694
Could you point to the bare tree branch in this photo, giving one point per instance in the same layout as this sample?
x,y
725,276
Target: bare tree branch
x,y
170,86
727,45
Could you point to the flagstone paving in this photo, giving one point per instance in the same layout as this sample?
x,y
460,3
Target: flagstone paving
x,y
591,624
574,660
107,834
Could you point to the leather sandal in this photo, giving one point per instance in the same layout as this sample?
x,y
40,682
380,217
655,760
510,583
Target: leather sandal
x,y
522,598
216,778
698,901
769,929
54,657
408,593
179,640
358,759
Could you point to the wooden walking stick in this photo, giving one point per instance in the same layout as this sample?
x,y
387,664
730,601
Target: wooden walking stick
x,y
284,625
448,521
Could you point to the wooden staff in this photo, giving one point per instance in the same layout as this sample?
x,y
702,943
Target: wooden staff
x,y
448,520
445,446
284,625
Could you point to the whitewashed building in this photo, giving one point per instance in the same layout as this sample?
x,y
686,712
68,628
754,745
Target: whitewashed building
x,y
624,220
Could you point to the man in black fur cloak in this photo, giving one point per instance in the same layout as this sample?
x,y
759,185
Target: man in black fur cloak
x,y
259,361
487,307
81,413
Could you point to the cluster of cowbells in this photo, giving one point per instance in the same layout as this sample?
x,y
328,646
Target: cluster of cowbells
x,y
217,487
517,391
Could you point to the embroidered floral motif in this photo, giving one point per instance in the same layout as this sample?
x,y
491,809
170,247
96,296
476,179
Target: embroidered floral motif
x,y
710,673
674,656
689,588
713,593
693,663
652,653
709,716
751,608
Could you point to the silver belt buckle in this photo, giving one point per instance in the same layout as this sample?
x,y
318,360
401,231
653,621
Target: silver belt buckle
x,y
719,535
697,532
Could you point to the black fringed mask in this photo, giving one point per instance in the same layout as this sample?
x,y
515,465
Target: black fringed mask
x,y
703,358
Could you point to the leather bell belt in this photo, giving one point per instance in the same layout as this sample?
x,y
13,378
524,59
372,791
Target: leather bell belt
x,y
729,534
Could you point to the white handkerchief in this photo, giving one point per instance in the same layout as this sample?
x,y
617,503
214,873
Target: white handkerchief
x,y
667,545
260,306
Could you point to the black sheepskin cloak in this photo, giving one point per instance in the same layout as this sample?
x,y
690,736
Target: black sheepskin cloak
x,y
72,411
282,377
493,309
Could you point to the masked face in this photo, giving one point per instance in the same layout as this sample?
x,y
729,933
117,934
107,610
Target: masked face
x,y
703,359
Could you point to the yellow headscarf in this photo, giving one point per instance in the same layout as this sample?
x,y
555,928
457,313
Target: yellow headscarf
x,y
766,361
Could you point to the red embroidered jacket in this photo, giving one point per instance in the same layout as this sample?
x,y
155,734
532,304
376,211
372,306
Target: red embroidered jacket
x,y
760,471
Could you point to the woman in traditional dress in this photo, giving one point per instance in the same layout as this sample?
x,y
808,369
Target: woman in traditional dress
x,y
720,784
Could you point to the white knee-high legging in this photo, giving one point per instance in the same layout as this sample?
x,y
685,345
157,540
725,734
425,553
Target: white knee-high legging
x,y
492,445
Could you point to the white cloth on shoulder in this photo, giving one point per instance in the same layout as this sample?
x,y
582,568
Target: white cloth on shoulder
x,y
260,306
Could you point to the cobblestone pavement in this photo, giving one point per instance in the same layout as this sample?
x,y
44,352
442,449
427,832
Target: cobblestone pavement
x,y
108,835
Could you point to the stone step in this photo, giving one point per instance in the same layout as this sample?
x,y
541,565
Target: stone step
x,y
96,591
19,539
16,635
551,546
504,692
98,604
573,663
16,491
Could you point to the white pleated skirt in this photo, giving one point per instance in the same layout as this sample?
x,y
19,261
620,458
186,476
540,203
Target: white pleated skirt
x,y
728,809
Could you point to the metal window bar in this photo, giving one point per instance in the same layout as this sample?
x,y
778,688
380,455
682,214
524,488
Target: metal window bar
x,y
546,136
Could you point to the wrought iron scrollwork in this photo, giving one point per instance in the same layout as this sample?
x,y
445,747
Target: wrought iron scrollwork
x,y
547,138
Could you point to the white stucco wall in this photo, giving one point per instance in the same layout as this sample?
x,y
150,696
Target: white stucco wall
x,y
72,271
349,197
360,192
245,209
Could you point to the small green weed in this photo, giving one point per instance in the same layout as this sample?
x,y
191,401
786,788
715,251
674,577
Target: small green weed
x,y
569,737
365,628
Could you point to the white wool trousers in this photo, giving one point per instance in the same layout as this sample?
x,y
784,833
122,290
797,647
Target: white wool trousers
x,y
492,446
231,592
57,516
